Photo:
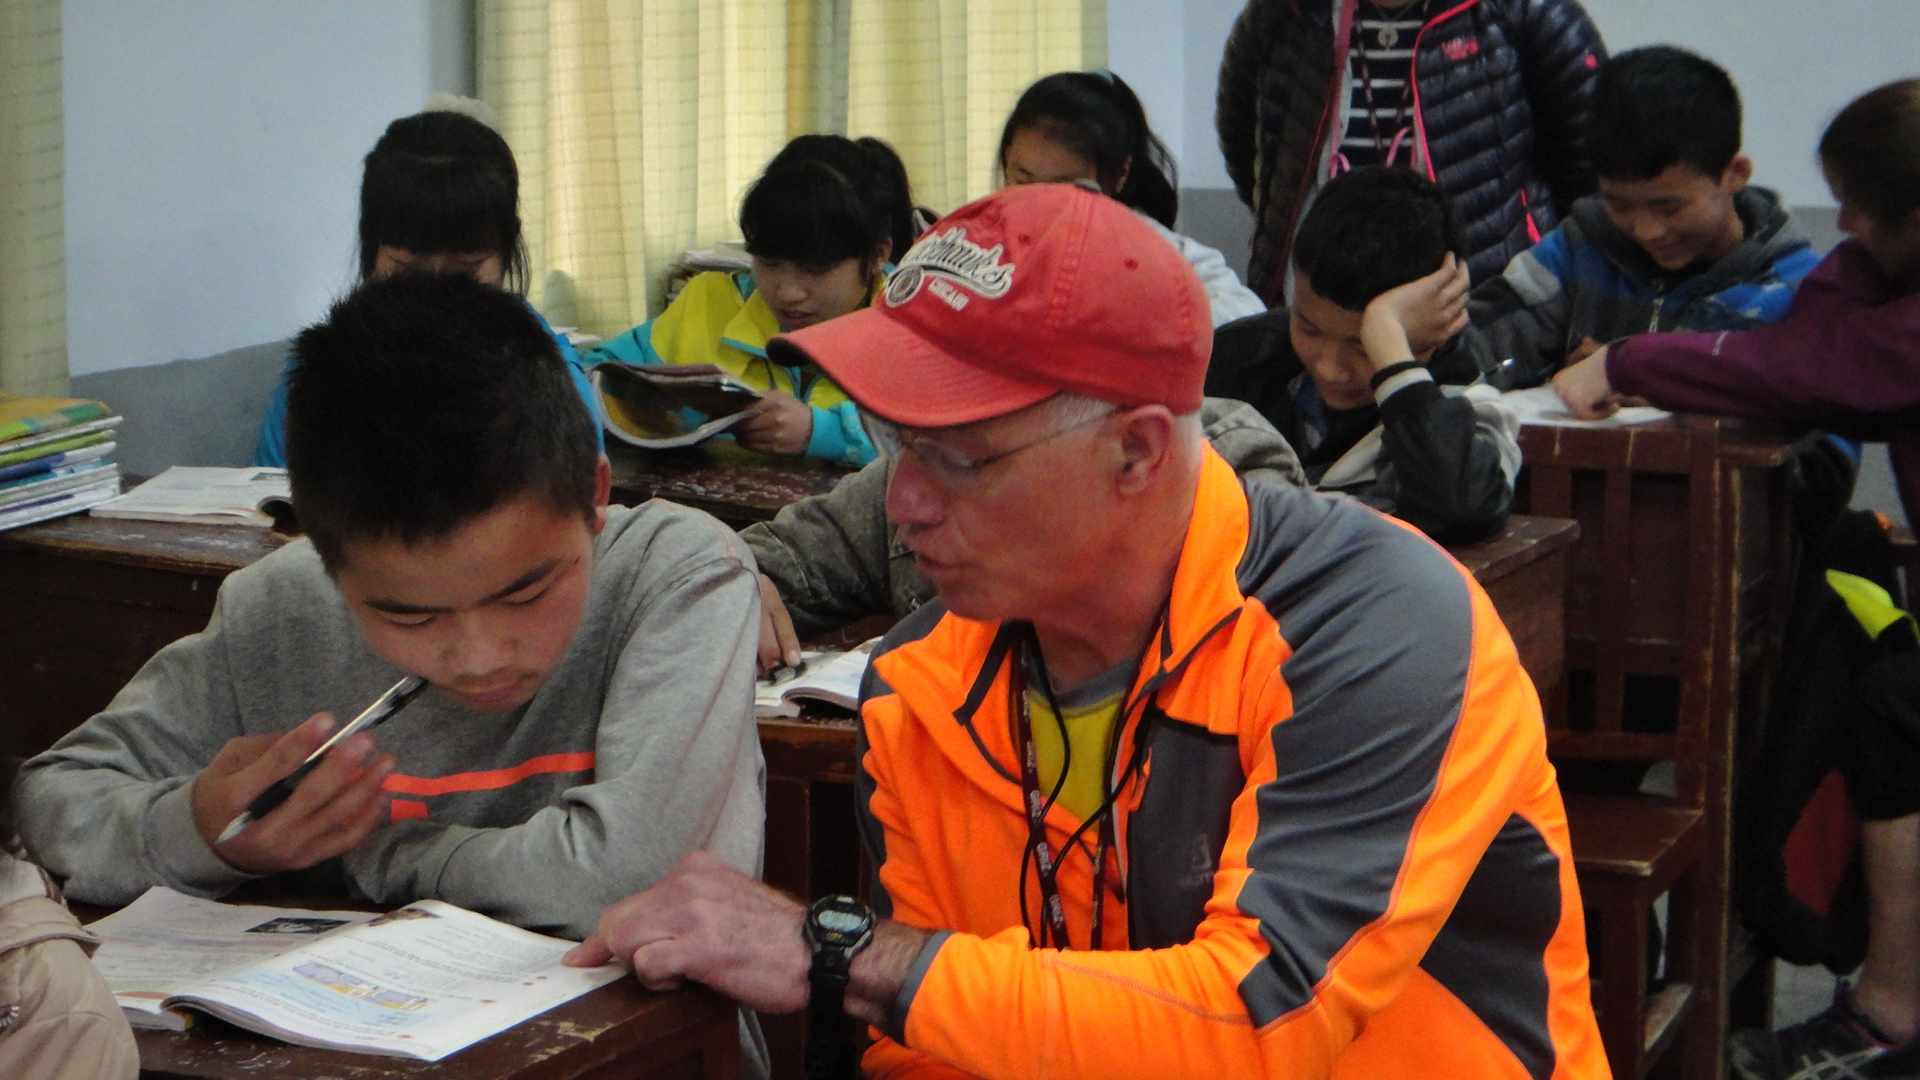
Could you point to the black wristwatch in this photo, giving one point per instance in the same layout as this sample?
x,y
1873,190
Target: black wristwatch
x,y
836,929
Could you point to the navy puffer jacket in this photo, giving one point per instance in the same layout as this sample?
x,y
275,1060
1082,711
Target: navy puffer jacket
x,y
1501,90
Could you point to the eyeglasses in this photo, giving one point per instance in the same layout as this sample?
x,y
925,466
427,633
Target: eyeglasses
x,y
953,469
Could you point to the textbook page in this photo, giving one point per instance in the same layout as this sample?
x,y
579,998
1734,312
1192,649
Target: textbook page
x,y
832,677
422,982
165,942
1541,405
206,496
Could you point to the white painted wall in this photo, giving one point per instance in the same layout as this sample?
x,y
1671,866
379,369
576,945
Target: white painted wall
x,y
1169,52
212,161
1796,63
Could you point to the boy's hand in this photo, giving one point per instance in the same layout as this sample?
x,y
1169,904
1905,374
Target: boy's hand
x,y
1586,348
778,643
780,424
329,814
1585,389
1416,318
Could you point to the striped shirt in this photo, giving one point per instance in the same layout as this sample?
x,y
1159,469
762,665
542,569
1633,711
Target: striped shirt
x,y
1381,106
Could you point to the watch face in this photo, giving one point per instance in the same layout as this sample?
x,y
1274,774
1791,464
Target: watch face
x,y
840,922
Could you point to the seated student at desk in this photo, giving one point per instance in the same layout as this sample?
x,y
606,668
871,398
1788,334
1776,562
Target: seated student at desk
x,y
1089,126
821,223
1379,294
1183,776
1676,239
1846,358
440,194
589,719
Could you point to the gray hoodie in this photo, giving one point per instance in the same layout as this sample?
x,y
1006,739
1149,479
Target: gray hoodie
x,y
639,748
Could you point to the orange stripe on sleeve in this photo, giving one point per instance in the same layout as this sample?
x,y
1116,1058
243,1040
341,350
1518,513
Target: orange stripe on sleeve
x,y
492,778
402,809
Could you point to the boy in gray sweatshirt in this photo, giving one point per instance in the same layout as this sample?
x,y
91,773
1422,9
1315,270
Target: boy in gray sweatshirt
x,y
590,716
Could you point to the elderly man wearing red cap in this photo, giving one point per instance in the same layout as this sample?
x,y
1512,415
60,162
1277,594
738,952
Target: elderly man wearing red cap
x,y
1182,776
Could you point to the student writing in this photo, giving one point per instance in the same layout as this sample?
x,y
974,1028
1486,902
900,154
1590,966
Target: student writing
x,y
822,223
440,194
590,719
1676,238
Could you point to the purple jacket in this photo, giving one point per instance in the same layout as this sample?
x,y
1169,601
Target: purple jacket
x,y
1846,358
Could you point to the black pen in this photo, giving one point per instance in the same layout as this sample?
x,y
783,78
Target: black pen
x,y
377,713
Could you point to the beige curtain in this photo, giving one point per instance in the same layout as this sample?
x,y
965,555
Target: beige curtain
x,y
638,123
33,274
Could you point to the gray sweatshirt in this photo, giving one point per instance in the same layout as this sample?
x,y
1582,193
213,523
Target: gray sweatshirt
x,y
640,747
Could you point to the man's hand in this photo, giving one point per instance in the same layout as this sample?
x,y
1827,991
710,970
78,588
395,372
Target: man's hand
x,y
780,424
778,643
329,814
1584,388
1416,318
708,922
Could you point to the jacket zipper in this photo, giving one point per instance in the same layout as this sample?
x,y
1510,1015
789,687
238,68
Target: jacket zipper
x,y
1413,75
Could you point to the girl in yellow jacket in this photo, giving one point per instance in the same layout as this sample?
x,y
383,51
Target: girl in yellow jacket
x,y
823,223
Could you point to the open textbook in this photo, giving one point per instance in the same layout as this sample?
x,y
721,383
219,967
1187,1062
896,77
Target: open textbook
x,y
832,677
420,982
206,496
661,406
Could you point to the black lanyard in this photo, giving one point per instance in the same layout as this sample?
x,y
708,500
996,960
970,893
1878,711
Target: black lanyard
x,y
1046,862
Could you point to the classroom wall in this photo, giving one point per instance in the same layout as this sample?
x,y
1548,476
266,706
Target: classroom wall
x,y
212,161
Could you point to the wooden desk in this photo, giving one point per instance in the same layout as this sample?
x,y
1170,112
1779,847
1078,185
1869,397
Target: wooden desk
x,y
87,600
737,486
618,1030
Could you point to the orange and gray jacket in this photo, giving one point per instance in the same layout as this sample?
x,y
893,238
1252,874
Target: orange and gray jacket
x,y
1343,855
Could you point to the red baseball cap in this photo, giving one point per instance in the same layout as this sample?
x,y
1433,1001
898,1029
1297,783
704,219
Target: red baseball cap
x,y
1031,291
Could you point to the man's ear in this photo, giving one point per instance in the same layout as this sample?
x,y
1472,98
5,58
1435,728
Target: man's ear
x,y
1146,445
1738,174
602,492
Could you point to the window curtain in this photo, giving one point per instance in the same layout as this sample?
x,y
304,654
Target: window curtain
x,y
33,282
638,124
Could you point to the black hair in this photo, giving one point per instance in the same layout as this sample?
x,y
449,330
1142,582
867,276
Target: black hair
x,y
1096,115
1373,229
1872,150
1658,107
439,183
423,401
824,199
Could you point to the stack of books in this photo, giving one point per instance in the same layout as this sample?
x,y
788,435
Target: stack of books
x,y
53,457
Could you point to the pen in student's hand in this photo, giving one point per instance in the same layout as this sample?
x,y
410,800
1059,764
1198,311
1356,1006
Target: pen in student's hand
x,y
377,713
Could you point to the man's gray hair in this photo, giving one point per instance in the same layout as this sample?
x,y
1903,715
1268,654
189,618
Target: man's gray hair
x,y
1068,409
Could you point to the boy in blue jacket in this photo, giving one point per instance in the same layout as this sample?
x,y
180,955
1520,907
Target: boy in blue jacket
x,y
1674,240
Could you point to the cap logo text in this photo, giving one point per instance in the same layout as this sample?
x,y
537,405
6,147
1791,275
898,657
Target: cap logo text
x,y
950,256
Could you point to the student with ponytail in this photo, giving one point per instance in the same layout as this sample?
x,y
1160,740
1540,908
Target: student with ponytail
x,y
439,194
823,223
1089,126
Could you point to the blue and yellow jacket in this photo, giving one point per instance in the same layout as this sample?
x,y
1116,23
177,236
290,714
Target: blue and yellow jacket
x,y
720,319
